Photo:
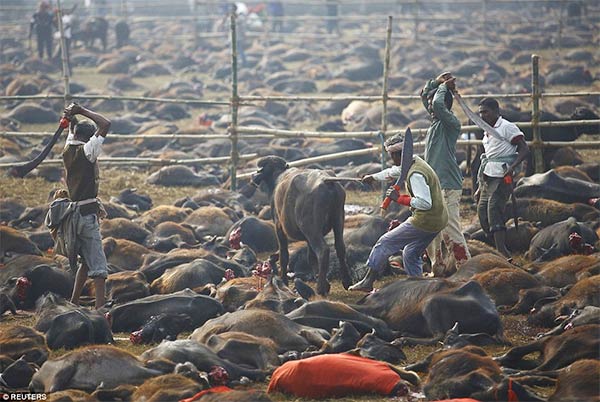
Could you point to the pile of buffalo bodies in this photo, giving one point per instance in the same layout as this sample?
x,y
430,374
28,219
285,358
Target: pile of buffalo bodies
x,y
206,285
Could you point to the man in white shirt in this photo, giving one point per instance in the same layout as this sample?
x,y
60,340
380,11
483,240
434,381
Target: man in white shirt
x,y
503,151
80,155
429,216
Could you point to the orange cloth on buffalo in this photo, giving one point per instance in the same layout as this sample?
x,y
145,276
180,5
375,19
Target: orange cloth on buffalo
x,y
334,375
213,390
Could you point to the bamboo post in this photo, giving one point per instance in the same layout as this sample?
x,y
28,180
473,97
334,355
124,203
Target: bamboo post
x,y
416,20
384,95
63,54
560,27
234,104
483,22
535,114
195,20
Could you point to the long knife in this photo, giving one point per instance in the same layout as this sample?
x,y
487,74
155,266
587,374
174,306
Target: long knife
x,y
23,169
405,163
475,118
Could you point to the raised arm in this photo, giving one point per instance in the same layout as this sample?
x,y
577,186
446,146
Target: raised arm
x,y
102,122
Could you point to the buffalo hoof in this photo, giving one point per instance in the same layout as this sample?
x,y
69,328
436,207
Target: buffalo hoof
x,y
346,282
323,288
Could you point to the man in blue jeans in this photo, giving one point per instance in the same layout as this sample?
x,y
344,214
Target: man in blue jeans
x,y
80,155
429,216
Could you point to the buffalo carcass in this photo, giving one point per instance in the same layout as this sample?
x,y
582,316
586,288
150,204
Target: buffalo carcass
x,y
305,207
286,334
89,367
133,315
468,372
583,293
67,325
551,186
188,350
579,382
562,238
18,340
423,310
555,351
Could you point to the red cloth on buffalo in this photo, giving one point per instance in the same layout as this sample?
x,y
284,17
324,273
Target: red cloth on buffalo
x,y
213,390
334,375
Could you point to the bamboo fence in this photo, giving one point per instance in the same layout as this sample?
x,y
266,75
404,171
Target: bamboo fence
x,y
236,132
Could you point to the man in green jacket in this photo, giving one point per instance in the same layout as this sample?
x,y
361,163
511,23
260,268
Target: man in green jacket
x,y
440,154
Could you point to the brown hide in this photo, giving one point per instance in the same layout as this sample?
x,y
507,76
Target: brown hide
x,y
163,213
125,254
17,340
572,172
122,287
503,284
210,220
566,270
236,292
275,296
556,351
169,387
460,373
242,348
548,212
88,368
478,264
305,207
579,382
286,334
15,242
71,395
122,228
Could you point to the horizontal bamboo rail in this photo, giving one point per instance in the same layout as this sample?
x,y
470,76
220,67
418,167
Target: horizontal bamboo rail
x,y
121,98
147,161
263,132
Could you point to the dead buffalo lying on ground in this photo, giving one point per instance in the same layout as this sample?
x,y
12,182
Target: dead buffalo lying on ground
x,y
305,207
583,293
133,315
18,373
327,315
88,368
275,296
556,351
578,382
161,326
468,372
586,316
67,325
551,186
562,238
423,310
18,340
286,334
188,350
32,284
242,348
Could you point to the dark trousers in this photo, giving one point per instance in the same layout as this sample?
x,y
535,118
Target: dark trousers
x,y
44,42
492,204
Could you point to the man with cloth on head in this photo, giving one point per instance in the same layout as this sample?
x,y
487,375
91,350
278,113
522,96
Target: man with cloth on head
x,y
440,154
80,155
429,214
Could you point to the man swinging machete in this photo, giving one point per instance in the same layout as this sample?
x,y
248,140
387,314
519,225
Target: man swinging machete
x,y
429,213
